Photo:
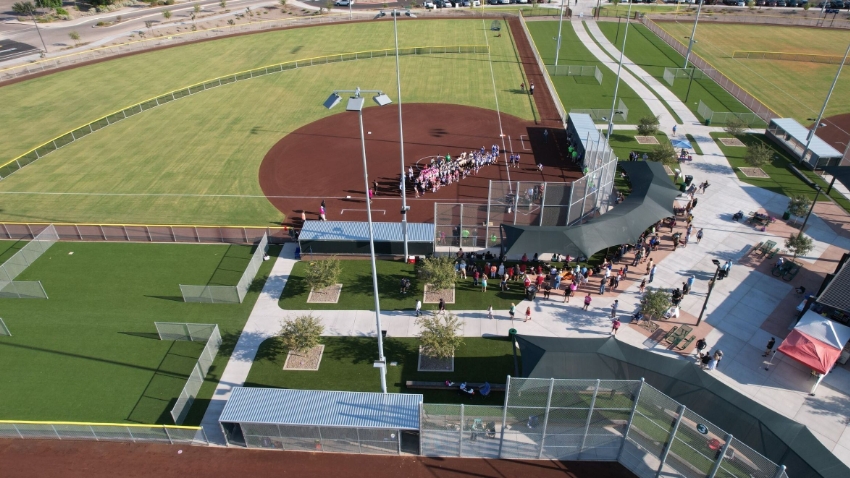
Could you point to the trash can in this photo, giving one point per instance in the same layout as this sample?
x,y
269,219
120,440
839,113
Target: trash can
x,y
530,292
682,187
512,333
688,179
708,121
786,215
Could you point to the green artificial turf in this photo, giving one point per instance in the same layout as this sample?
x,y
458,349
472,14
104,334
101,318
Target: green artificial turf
x,y
90,352
356,280
623,142
347,365
650,52
781,179
578,92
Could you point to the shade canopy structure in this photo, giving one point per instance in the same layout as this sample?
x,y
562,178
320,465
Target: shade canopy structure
x,y
650,200
775,436
681,143
816,342
840,173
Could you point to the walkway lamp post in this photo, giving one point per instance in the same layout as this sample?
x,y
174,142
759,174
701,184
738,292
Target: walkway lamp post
x,y
823,108
558,48
619,69
355,103
710,288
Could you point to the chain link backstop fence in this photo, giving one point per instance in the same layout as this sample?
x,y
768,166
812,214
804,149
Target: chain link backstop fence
x,y
167,434
575,70
144,233
228,294
751,120
373,441
194,333
600,115
15,265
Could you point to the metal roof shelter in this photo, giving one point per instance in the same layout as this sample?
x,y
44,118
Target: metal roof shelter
x,y
837,293
793,136
583,132
350,237
351,422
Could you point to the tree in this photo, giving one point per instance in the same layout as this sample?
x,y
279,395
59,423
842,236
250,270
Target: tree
x,y
324,273
616,4
800,244
54,4
806,6
166,14
222,3
751,4
439,272
648,125
329,4
196,8
664,153
758,155
440,334
655,303
75,36
798,206
735,126
302,333
148,24
23,8
283,3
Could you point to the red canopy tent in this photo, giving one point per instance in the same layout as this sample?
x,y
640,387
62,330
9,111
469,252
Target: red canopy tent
x,y
816,342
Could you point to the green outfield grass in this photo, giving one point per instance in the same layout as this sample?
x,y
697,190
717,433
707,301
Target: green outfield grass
x,y
649,52
90,352
581,92
792,89
195,161
624,142
357,290
347,365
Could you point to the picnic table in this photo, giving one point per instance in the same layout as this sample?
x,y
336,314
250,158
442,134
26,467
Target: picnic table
x,y
786,271
767,247
760,219
677,334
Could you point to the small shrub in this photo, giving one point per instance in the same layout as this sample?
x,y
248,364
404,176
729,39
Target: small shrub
x,y
166,14
439,272
758,155
74,36
663,153
302,333
655,303
222,4
61,11
324,273
440,334
196,8
23,8
648,125
169,2
735,126
799,205
800,244
807,6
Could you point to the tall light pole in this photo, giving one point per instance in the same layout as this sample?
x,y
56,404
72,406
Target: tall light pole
x,y
710,288
619,69
32,15
823,108
404,207
355,103
560,24
693,33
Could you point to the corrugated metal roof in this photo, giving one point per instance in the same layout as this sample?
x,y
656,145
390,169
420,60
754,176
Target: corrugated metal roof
x,y
837,293
359,231
799,132
584,126
322,408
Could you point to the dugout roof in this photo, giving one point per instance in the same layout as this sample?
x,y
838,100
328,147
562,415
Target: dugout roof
x,y
650,200
796,131
359,231
778,438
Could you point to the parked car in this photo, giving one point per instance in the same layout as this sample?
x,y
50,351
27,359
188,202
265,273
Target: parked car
x,y
343,3
781,3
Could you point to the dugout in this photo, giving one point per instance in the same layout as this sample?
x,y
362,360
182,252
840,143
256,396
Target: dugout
x,y
582,133
793,137
349,237
322,421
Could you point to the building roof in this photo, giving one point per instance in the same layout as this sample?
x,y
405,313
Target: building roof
x,y
585,127
322,408
837,292
359,231
799,132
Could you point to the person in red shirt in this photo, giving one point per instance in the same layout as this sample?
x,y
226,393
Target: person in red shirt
x,y
475,277
539,279
527,282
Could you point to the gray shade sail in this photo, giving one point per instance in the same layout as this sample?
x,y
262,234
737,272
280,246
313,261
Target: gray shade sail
x,y
650,200
359,231
778,438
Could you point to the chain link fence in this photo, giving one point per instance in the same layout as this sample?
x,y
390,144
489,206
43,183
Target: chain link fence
x,y
575,70
787,56
751,120
671,74
462,225
80,132
174,435
145,233
373,441
194,333
791,17
15,265
228,294
4,331
600,115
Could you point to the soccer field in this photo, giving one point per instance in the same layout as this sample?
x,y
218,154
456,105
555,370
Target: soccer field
x,y
90,352
792,89
196,160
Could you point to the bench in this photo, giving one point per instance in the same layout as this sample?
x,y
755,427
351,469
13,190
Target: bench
x,y
412,384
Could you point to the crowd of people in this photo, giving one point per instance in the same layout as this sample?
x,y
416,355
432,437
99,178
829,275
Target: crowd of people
x,y
445,170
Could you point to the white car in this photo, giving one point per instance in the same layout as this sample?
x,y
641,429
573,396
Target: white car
x,y
344,3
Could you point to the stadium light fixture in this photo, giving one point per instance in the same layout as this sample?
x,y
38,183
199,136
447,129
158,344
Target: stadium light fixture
x,y
332,100
383,100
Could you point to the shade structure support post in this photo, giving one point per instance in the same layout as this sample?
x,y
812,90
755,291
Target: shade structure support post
x,y
504,415
589,417
669,444
720,455
546,418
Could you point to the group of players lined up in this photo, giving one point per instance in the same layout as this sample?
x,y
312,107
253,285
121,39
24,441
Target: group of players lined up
x,y
445,170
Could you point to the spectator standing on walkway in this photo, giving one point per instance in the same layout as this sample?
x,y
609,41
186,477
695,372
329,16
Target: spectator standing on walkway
x,y
643,285
490,312
699,235
442,305
602,286
614,309
770,345
674,129
484,284
587,300
652,274
615,326
701,345
531,88
569,293
512,311
418,308
527,314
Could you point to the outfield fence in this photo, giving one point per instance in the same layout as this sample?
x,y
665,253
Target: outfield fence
x,y
751,120
192,234
4,330
791,17
575,70
194,333
227,294
627,421
785,56
175,435
16,164
554,93
742,95
15,265
600,115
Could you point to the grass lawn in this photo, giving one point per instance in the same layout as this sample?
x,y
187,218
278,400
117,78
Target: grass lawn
x,y
347,366
781,179
792,89
653,55
623,142
694,143
205,170
90,352
578,92
357,290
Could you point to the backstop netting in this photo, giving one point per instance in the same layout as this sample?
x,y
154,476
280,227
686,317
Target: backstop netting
x,y
4,331
40,243
229,294
193,333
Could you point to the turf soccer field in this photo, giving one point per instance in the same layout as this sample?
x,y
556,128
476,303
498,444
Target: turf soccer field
x,y
90,352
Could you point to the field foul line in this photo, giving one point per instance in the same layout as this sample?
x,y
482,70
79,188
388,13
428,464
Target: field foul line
x,y
383,211
237,196
523,142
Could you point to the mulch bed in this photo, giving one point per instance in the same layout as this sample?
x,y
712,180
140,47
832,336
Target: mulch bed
x,y
733,142
308,360
647,140
753,172
328,295
434,296
434,364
